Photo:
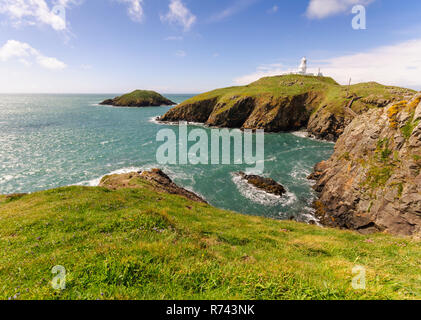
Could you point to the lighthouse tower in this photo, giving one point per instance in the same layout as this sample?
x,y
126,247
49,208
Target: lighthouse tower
x,y
303,66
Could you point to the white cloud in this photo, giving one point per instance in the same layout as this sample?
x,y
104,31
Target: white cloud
x,y
135,9
50,63
181,54
173,38
16,49
274,9
238,6
320,9
398,64
262,71
179,14
34,12
13,49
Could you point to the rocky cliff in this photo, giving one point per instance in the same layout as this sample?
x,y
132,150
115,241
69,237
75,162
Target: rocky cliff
x,y
139,98
373,180
286,103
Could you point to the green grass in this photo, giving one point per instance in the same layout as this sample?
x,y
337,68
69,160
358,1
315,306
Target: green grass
x,y
277,86
409,127
139,96
334,96
140,244
381,166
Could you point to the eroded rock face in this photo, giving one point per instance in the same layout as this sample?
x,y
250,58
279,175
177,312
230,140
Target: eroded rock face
x,y
272,114
325,125
155,177
266,184
373,180
324,108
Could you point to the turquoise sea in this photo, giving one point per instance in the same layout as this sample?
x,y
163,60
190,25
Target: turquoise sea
x,y
49,141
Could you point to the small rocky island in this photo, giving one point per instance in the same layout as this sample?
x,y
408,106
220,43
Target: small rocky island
x,y
139,98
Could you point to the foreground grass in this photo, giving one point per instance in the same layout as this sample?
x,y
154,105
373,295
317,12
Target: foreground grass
x,y
139,244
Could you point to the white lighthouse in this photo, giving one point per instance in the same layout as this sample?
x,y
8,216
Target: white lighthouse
x,y
302,69
303,66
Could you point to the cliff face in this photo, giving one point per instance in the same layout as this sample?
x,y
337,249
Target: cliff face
x,y
286,103
373,180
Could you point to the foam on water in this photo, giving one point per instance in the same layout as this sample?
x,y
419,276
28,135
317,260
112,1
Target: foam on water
x,y
49,141
95,182
260,196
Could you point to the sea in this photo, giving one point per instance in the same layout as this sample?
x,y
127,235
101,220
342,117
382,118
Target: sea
x,y
49,141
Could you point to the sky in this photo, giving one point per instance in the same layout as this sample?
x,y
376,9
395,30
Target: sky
x,y
192,46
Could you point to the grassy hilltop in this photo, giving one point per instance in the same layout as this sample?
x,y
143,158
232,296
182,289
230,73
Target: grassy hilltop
x,y
287,102
332,94
137,243
139,98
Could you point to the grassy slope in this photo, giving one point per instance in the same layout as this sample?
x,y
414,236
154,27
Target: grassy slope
x,y
140,95
139,244
335,95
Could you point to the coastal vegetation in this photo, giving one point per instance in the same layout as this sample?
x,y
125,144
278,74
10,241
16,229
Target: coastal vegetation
x,y
136,242
287,102
140,236
372,182
139,98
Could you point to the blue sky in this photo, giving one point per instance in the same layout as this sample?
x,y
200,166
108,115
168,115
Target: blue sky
x,y
191,46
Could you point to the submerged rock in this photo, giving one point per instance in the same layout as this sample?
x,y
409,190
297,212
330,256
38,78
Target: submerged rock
x,y
266,184
139,98
155,177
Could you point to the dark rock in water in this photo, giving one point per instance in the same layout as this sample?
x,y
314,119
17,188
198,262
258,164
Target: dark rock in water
x,y
266,184
155,177
139,98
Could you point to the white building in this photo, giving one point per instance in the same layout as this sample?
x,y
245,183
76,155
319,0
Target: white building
x,y
302,69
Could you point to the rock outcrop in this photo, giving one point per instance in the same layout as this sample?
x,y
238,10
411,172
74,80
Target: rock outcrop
x,y
155,177
373,180
286,103
266,184
139,98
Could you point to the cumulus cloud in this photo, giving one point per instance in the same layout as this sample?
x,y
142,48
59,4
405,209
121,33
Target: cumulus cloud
x,y
179,14
398,64
320,9
22,51
33,12
135,9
